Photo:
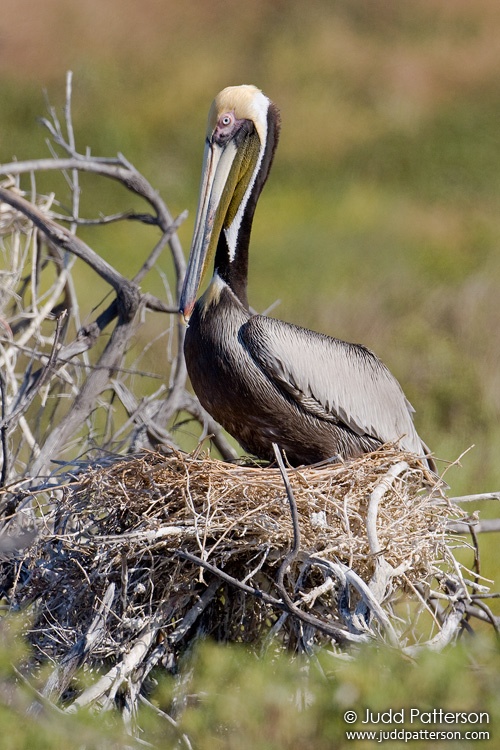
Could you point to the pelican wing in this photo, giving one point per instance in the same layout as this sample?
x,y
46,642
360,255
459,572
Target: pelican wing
x,y
332,379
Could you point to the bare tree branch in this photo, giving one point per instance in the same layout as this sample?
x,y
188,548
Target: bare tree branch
x,y
475,498
75,377
118,169
62,238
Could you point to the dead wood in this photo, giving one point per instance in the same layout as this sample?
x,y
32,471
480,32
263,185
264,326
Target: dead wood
x,y
56,370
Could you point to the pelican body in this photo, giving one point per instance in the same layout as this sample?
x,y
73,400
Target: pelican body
x,y
266,381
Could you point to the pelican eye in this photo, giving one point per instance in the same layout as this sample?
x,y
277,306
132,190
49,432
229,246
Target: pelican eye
x,y
227,126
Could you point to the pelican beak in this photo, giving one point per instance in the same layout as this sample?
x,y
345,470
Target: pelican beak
x,y
220,176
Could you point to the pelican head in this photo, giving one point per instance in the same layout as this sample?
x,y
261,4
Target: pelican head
x,y
237,132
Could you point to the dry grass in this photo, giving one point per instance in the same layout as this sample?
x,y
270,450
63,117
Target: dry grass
x,y
220,509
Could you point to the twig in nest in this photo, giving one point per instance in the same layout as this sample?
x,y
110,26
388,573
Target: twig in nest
x,y
339,635
3,434
60,678
173,723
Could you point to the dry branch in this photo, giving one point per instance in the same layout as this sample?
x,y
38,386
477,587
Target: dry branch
x,y
70,380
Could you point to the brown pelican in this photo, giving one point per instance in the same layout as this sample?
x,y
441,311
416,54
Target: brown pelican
x,y
263,380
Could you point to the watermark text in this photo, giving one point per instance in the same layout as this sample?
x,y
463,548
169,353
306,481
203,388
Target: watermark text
x,y
416,724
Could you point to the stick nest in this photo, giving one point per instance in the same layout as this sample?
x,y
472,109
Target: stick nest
x,y
135,559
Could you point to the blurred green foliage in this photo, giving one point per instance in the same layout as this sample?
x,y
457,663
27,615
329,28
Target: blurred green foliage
x,y
380,225
29,723
281,704
235,700
380,221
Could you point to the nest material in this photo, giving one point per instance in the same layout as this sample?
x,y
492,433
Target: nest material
x,y
221,511
142,556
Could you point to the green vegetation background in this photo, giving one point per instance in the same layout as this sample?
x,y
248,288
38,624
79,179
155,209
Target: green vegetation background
x,y
380,223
